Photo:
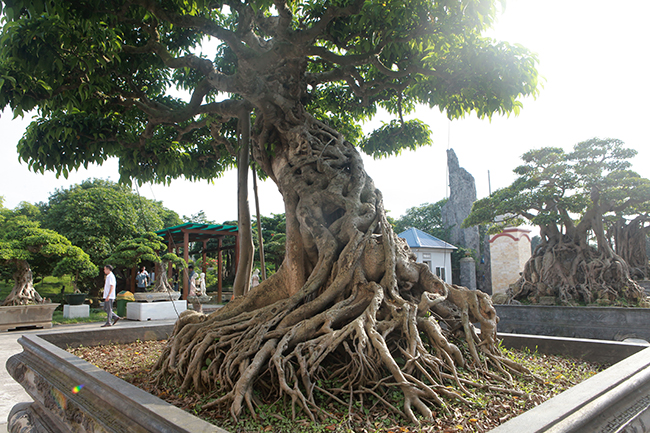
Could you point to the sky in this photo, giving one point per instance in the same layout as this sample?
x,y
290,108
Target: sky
x,y
593,57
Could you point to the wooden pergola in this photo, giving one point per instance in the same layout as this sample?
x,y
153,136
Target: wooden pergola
x,y
180,237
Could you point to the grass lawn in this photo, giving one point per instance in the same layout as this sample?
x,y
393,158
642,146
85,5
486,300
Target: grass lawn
x,y
95,316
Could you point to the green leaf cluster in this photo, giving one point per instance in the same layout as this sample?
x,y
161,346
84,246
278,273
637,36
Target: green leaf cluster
x,y
426,217
46,251
97,215
105,76
274,235
148,247
393,137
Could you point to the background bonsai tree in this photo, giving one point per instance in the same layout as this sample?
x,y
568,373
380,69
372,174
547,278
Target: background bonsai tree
x,y
148,248
23,242
349,312
569,196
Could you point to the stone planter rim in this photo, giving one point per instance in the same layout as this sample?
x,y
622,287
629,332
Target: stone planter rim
x,y
42,346
103,394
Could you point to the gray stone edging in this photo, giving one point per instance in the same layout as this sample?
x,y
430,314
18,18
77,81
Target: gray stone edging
x,y
607,402
601,323
599,351
112,335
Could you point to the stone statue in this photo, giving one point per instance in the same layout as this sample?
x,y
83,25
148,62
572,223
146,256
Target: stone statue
x,y
202,284
255,279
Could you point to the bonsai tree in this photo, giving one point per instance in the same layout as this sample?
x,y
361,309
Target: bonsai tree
x,y
148,247
349,313
22,242
569,196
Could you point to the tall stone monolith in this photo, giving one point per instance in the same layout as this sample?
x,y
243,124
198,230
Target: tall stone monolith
x,y
462,194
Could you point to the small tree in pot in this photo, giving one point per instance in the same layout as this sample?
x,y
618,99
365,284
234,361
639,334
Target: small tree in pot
x,y
23,242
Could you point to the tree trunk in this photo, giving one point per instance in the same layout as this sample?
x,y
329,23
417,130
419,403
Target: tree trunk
x,y
345,310
246,248
260,238
162,284
23,292
630,244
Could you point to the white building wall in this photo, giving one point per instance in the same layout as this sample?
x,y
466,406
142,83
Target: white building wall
x,y
438,258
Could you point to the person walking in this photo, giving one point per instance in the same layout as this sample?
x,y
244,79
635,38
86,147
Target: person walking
x,y
109,296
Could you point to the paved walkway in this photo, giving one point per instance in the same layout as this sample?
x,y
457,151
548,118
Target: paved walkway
x,y
11,392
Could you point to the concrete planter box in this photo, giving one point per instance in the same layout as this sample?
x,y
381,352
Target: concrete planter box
x,y
155,310
613,400
601,323
26,316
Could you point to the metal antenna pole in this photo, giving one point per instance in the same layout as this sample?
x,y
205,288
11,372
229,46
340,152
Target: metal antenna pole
x,y
489,184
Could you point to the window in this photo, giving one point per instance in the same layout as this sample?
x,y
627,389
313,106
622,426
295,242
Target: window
x,y
441,273
428,263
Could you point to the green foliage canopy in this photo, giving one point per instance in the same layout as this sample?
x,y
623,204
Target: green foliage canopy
x,y
102,74
97,215
426,217
149,247
47,252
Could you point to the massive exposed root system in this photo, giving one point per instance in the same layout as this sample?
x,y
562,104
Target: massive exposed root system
x,y
349,316
573,273
23,292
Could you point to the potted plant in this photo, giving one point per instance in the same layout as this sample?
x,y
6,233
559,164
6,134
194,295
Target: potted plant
x,y
23,242
76,298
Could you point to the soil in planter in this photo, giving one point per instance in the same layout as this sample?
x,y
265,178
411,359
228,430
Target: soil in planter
x,y
486,409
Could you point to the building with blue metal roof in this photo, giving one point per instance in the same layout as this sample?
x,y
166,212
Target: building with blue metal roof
x,y
431,251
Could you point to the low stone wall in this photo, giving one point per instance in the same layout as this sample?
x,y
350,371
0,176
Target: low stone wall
x,y
112,335
601,323
72,395
615,400
599,351
108,404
